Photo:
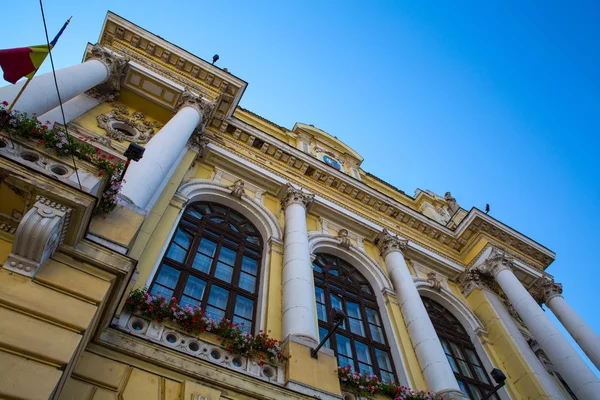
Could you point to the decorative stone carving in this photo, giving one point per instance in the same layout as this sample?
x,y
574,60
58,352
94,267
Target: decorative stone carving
x,y
435,281
39,234
296,196
343,238
237,189
386,242
539,353
496,263
189,99
116,66
472,279
120,125
197,142
545,289
511,309
452,204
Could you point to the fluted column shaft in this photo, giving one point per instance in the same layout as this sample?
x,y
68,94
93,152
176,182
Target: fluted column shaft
x,y
40,96
299,318
565,359
438,374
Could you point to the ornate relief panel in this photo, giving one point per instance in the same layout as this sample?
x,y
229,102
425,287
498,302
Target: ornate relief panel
x,y
122,125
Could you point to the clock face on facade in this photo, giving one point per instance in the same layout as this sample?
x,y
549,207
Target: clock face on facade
x,y
332,162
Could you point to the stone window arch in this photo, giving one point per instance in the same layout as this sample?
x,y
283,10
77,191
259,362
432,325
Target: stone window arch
x,y
360,341
462,355
213,261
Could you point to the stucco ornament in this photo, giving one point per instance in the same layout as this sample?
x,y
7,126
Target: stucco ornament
x,y
386,242
116,65
435,281
296,196
496,263
343,238
545,289
197,141
203,105
472,279
122,125
237,189
39,234
452,204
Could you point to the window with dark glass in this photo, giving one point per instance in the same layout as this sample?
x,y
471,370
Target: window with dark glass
x,y
468,368
360,341
213,261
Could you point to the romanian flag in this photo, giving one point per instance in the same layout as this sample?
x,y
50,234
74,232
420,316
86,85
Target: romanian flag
x,y
25,61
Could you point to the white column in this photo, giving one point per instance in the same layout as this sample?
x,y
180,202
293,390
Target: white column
x,y
432,359
144,178
40,96
73,108
299,318
565,359
549,292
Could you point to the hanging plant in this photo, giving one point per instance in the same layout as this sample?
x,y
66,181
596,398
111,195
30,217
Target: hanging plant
x,y
22,125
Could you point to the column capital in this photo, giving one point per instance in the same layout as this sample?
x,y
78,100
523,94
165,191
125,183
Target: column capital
x,y
296,196
472,279
387,243
199,103
115,65
38,235
496,263
544,289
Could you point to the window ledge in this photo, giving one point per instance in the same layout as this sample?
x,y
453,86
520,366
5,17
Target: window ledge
x,y
203,347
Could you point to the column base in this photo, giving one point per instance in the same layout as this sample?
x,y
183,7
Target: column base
x,y
451,394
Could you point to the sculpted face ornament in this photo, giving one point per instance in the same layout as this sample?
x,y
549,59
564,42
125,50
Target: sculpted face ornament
x,y
435,281
237,189
343,238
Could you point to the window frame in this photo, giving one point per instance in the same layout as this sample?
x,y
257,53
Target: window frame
x,y
364,301
205,228
448,328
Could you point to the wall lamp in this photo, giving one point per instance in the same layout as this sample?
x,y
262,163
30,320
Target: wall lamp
x,y
338,316
134,152
500,379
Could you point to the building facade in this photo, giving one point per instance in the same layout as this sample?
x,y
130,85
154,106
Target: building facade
x,y
232,230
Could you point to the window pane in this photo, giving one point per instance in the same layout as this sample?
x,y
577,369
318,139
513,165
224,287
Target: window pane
x,y
373,317
336,301
462,387
387,376
247,282
317,268
319,295
218,297
244,307
343,345
218,209
377,333
452,364
362,352
446,347
207,247
322,334
167,276
481,374
249,265
194,213
162,291
353,310
345,361
321,312
214,313
224,272
180,245
383,360
194,288
456,350
475,393
464,368
364,368
472,357
189,301
202,263
356,326
244,324
227,256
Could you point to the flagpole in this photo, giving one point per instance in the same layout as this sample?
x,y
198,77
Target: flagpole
x,y
18,95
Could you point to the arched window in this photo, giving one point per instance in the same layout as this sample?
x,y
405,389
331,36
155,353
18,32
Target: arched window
x,y
360,341
462,356
213,261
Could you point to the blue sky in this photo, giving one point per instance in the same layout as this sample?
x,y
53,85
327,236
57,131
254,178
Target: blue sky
x,y
496,102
